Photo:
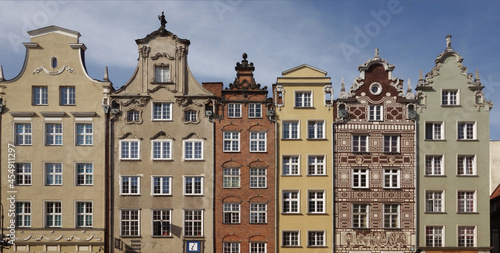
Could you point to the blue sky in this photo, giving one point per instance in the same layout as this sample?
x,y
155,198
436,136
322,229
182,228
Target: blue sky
x,y
335,36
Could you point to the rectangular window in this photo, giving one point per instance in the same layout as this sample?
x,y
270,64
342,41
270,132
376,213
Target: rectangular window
x,y
129,149
231,141
434,131
255,110
434,236
303,99
53,214
258,213
162,150
258,178
291,165
291,238
84,214
316,238
466,236
40,95
53,174
234,110
376,113
84,174
231,247
231,213
23,214
316,165
193,185
291,130
23,134
391,178
162,185
162,223
53,134
231,178
449,97
466,165
133,116
434,165
130,222
466,130
193,150
23,174
316,130
291,202
359,143
359,178
434,201
130,185
162,111
190,116
391,216
84,135
360,216
258,247
466,202
193,223
162,74
258,142
316,202
391,143
67,96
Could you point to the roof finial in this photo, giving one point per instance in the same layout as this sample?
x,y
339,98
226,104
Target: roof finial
x,y
408,89
106,75
420,76
376,53
448,41
1,73
342,86
162,19
477,75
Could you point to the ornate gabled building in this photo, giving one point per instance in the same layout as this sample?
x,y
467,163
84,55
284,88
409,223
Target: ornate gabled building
x,y
303,100
374,163
244,165
162,164
53,130
453,158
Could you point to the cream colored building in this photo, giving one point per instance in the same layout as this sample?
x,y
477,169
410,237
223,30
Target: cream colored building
x,y
162,137
303,100
53,148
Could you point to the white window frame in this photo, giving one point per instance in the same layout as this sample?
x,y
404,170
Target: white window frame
x,y
234,110
301,99
162,180
466,130
258,141
133,116
164,113
24,174
192,222
40,97
437,130
231,178
130,155
165,146
434,201
376,113
391,217
85,214
360,216
55,214
161,213
23,218
258,213
231,213
67,95
316,238
192,154
231,141
254,111
85,133
56,174
129,188
316,204
392,178
257,178
291,165
316,167
316,129
25,137
192,190
450,97
392,143
360,178
130,223
465,231
466,165
360,143
431,165
291,234
289,128
190,116
436,237
258,247
54,134
291,200
162,74
466,201
85,174
230,247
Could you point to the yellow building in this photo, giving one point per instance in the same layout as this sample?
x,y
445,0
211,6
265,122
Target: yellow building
x,y
303,97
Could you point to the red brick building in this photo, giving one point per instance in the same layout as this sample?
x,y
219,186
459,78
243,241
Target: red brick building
x,y
244,165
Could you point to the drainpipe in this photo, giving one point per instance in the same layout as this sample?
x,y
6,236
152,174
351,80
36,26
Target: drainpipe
x,y
276,186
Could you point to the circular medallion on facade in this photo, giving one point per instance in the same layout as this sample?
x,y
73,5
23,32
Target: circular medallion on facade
x,y
375,176
375,88
391,159
359,159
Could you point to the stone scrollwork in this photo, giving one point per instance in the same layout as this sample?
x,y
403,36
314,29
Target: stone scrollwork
x,y
158,55
375,239
61,237
144,51
53,73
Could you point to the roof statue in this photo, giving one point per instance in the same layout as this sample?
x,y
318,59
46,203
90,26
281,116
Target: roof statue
x,y
448,43
162,19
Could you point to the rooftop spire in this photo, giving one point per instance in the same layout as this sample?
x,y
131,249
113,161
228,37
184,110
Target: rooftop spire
x,y
408,89
106,75
1,74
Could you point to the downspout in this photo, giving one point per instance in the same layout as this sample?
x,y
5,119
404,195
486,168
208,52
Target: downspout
x,y
276,186
214,151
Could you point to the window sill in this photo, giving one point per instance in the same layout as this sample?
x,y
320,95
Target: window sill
x,y
361,152
392,228
193,160
467,213
291,139
316,139
229,151
255,117
161,120
234,117
303,107
67,105
231,187
159,83
450,105
258,223
434,175
231,224
130,160
258,187
392,189
317,175
392,153
193,195
360,188
324,213
290,213
130,236
322,246
161,236
435,213
163,160
360,228
161,195
467,176
285,246
443,140
291,175
265,151
194,236
472,140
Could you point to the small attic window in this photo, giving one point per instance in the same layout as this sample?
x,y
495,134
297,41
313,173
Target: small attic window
x,y
53,62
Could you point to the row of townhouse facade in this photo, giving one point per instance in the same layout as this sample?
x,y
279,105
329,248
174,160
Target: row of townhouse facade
x,y
166,164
